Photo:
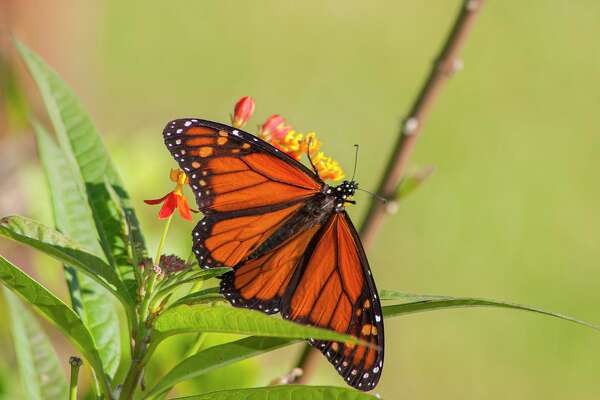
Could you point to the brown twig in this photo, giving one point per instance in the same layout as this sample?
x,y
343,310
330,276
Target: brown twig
x,y
445,65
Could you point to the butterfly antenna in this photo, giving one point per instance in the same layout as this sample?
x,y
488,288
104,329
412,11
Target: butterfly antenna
x,y
316,171
378,197
355,161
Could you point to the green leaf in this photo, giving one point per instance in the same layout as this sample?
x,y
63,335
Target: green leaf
x,y
72,127
73,216
285,392
192,275
55,244
90,165
213,273
411,182
131,277
42,376
55,311
413,303
200,297
216,357
226,319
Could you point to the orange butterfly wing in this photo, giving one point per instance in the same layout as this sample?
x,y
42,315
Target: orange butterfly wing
x,y
334,289
261,283
250,193
246,188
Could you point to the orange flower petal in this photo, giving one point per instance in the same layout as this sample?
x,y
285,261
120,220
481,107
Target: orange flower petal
x,y
169,206
184,208
157,201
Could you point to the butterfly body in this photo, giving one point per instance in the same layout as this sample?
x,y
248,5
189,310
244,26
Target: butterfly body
x,y
287,236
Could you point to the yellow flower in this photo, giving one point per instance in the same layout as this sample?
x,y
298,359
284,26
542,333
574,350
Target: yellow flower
x,y
329,169
296,144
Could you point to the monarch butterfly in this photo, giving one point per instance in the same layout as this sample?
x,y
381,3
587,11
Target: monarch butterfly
x,y
285,233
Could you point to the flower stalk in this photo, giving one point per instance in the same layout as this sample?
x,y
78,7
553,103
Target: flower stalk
x,y
76,364
143,345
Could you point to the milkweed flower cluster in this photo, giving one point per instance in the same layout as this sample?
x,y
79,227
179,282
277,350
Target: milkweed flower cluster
x,y
278,132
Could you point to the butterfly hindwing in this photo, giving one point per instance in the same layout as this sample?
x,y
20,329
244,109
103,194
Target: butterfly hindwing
x,y
225,239
334,289
260,283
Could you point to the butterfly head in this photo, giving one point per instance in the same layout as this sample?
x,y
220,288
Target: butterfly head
x,y
343,193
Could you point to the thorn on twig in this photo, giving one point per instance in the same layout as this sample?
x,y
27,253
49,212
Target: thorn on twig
x,y
457,65
410,126
450,67
472,5
391,207
288,378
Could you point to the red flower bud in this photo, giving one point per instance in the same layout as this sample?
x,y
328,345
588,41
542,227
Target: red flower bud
x,y
244,109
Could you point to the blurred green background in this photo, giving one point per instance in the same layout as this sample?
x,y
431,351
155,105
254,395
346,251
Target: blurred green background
x,y
510,213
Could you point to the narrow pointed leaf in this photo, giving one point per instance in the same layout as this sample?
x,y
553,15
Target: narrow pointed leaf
x,y
42,376
213,273
226,319
285,392
74,217
55,311
216,357
90,164
131,277
413,303
200,297
413,181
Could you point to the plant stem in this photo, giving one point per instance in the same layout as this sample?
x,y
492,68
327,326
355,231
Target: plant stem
x,y
144,348
151,284
161,244
76,363
143,344
444,66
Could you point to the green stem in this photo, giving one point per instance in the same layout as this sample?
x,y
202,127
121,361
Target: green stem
x,y
75,365
144,350
144,344
160,294
190,258
162,240
145,308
